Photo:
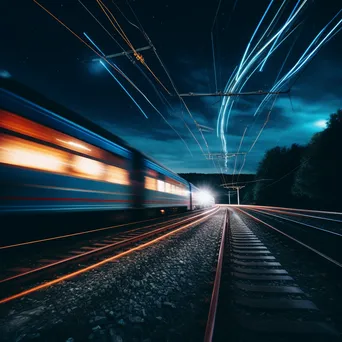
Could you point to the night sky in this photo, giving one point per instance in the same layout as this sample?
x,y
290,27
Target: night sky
x,y
37,51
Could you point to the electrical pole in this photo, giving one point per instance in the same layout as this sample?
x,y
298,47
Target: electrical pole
x,y
229,196
234,187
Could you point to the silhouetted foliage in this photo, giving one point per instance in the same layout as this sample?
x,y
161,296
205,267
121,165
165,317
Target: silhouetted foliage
x,y
319,178
278,165
302,176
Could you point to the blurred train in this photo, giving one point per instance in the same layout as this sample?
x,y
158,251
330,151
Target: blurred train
x,y
53,160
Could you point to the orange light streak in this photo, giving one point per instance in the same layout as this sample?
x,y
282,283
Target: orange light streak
x,y
87,232
101,263
137,55
85,43
120,30
114,244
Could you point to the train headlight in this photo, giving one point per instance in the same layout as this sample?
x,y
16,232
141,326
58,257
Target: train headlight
x,y
205,197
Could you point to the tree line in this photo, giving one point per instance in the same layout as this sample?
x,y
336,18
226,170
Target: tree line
x,y
307,176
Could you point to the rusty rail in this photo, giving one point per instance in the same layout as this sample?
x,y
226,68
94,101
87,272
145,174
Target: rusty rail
x,y
209,331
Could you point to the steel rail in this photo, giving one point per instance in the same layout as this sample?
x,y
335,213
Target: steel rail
x,y
335,262
297,222
299,214
53,238
296,209
105,261
209,331
98,250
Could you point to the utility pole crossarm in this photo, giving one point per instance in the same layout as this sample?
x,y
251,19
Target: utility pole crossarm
x,y
234,187
204,128
128,52
223,155
250,93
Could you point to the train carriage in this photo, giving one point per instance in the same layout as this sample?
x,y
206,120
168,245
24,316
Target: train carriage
x,y
164,189
50,163
53,160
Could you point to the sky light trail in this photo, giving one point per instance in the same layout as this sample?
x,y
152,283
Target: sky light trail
x,y
300,63
234,83
125,90
240,87
268,28
91,41
250,41
246,68
275,42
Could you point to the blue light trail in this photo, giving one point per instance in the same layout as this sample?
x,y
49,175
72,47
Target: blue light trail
x,y
91,41
124,89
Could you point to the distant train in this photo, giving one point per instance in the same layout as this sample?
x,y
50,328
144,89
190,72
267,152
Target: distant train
x,y
52,160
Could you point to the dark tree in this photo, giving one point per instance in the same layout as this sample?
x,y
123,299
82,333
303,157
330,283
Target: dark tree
x,y
278,164
319,179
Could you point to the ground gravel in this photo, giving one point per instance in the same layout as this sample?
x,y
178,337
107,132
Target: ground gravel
x,y
156,294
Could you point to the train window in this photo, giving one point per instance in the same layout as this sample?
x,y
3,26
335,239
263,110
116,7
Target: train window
x,y
117,175
151,183
20,152
88,168
160,185
167,187
32,129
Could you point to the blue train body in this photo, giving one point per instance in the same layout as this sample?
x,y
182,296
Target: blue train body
x,y
53,160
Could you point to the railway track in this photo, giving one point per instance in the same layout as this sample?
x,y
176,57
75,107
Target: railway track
x,y
38,253
255,298
320,234
41,273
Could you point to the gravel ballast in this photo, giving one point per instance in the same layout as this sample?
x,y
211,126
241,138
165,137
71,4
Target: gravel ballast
x,y
155,294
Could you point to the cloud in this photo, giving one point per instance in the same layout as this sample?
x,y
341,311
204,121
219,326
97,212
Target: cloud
x,y
5,74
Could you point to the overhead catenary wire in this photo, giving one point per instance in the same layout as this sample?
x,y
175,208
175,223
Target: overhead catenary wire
x,y
241,141
118,28
212,42
132,60
171,81
301,71
160,95
115,68
257,137
288,173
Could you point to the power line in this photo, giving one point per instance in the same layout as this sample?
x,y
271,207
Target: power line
x,y
170,79
123,35
288,173
114,67
239,151
212,42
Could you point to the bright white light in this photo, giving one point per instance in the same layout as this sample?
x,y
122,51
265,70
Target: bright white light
x,y
74,144
205,197
88,166
321,123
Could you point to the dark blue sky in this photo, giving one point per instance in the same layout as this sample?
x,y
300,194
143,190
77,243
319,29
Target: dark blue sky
x,y
39,52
